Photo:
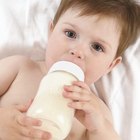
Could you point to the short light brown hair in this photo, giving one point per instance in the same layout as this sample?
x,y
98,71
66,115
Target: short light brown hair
x,y
127,13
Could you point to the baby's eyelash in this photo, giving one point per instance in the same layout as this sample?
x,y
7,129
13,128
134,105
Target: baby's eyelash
x,y
97,47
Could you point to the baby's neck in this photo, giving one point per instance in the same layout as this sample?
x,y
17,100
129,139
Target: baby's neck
x,y
43,67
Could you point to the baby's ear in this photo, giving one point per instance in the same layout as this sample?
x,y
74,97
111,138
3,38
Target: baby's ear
x,y
50,28
114,63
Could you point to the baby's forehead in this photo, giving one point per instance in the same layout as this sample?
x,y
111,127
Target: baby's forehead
x,y
78,14
82,13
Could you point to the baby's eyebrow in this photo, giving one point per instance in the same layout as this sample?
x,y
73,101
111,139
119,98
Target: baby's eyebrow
x,y
104,42
70,24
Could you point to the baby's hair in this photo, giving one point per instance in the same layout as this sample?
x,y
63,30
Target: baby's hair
x,y
126,12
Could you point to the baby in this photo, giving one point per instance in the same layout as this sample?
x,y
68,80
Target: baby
x,y
90,33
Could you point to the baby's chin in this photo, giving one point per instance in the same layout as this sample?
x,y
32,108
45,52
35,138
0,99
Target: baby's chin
x,y
90,81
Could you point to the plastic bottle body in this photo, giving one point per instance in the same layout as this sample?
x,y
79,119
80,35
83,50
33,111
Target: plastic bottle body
x,y
51,107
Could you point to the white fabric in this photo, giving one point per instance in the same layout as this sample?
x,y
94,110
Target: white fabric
x,y
120,90
23,30
27,19
24,26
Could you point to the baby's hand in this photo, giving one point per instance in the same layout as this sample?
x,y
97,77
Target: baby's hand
x,y
90,110
14,125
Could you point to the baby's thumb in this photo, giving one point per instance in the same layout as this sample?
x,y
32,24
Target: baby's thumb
x,y
24,108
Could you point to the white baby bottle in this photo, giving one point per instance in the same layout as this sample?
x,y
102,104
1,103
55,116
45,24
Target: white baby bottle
x,y
49,105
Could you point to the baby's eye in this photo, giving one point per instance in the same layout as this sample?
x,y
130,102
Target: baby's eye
x,y
97,47
70,34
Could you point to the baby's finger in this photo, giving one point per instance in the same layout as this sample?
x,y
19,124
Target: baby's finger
x,y
28,104
72,88
81,84
77,96
77,93
21,108
27,121
84,106
75,88
35,134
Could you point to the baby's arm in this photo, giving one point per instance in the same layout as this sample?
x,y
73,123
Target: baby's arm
x,y
9,68
91,112
14,124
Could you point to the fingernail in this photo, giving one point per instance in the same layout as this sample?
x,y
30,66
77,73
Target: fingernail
x,y
39,122
64,86
46,135
66,94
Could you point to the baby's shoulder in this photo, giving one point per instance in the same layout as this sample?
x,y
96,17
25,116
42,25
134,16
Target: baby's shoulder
x,y
17,61
23,60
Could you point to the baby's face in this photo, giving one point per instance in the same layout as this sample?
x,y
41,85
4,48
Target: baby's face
x,y
88,41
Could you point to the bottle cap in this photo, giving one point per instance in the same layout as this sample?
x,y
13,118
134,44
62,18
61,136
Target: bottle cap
x,y
68,67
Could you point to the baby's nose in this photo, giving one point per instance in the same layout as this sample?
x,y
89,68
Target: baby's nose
x,y
77,53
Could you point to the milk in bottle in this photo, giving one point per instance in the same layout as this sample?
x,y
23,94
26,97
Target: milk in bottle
x,y
49,105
